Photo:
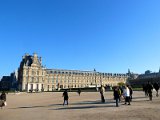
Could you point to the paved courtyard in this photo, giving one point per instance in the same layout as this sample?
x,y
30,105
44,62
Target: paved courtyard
x,y
48,106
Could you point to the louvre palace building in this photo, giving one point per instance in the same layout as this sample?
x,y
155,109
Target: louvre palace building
x,y
33,76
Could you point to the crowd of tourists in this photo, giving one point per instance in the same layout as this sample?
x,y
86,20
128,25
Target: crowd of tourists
x,y
124,92
119,93
148,89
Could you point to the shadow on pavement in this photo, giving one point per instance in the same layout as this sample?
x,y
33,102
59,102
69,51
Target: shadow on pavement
x,y
78,103
83,107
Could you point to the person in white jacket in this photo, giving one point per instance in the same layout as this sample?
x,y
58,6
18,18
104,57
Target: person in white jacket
x,y
127,95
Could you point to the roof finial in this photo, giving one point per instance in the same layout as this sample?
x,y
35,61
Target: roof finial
x,y
129,71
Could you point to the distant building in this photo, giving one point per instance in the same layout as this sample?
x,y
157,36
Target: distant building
x,y
32,76
5,83
144,78
132,75
9,82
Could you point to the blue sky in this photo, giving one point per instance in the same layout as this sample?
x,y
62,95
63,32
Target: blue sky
x,y
108,35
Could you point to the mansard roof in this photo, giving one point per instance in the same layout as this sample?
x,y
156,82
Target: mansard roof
x,y
52,71
68,71
27,60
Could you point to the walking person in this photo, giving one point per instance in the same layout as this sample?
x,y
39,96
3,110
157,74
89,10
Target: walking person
x,y
3,100
120,92
131,92
127,95
156,87
79,91
116,95
145,90
102,90
65,95
149,88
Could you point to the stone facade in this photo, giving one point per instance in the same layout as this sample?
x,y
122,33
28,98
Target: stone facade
x,y
33,76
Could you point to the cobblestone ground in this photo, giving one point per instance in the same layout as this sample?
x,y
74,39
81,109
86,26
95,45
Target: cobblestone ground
x,y
48,106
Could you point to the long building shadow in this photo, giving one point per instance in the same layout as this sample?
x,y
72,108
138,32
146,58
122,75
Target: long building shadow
x,y
139,97
82,107
92,102
58,105
24,107
36,106
87,103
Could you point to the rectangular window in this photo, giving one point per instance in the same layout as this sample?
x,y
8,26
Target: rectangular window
x,y
32,79
48,87
52,87
26,87
57,80
27,79
27,72
32,72
37,87
53,79
37,72
48,79
31,86
38,79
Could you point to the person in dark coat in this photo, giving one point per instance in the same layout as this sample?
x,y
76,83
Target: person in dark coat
x,y
131,92
65,95
156,87
149,88
79,91
3,100
3,96
116,95
145,90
